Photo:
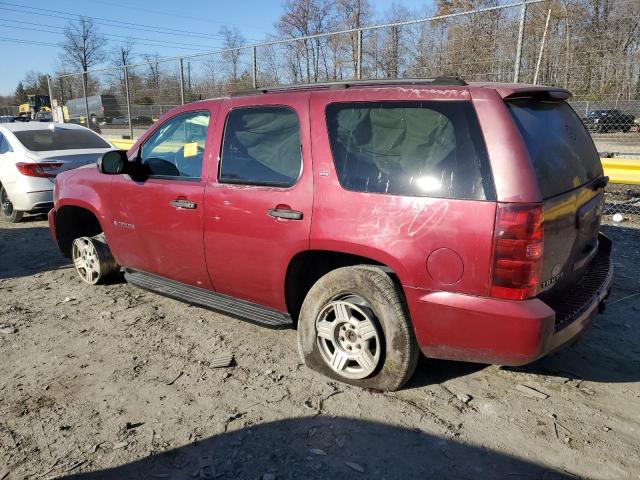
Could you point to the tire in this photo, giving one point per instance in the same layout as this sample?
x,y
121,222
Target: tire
x,y
9,214
92,259
358,313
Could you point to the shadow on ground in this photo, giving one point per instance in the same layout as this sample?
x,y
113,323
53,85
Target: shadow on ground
x,y
26,251
322,448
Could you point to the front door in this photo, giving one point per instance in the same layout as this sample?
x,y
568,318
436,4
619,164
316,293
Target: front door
x,y
259,198
158,216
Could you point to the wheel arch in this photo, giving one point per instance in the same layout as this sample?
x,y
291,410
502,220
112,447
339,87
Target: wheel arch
x,y
73,221
308,266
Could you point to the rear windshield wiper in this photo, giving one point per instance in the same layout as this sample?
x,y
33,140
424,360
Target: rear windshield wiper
x,y
599,183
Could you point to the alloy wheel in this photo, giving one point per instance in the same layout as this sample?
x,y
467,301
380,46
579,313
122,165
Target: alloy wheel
x,y
86,260
348,336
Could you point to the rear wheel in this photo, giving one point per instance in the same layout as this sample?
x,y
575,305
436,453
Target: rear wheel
x,y
354,327
9,213
92,259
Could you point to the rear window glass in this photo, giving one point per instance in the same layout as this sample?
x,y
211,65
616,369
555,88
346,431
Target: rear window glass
x,y
561,149
59,138
429,149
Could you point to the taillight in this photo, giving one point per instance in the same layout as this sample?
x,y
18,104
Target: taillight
x,y
517,251
44,169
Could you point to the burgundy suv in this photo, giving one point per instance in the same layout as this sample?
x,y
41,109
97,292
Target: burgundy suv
x,y
380,218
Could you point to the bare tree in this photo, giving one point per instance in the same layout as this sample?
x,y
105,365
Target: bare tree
x,y
302,18
353,14
121,57
155,74
232,39
83,44
83,47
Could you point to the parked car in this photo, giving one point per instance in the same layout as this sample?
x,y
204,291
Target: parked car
x,y
380,218
608,120
32,154
120,120
142,120
44,116
6,119
138,120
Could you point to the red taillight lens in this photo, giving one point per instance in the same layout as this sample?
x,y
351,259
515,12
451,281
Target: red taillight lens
x,y
517,251
44,169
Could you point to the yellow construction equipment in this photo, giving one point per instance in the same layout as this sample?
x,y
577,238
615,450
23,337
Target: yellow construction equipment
x,y
34,105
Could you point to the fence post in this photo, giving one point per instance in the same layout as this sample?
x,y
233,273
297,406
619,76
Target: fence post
x,y
544,38
181,82
50,93
126,91
85,80
359,57
254,60
516,68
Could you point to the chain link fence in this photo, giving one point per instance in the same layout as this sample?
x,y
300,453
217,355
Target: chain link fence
x,y
535,41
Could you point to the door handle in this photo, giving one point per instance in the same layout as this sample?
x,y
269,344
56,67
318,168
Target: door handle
x,y
284,213
182,203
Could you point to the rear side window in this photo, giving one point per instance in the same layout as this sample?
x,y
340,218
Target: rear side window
x,y
561,149
261,146
429,149
4,145
59,138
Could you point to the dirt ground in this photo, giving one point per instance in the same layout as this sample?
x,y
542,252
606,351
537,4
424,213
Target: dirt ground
x,y
114,382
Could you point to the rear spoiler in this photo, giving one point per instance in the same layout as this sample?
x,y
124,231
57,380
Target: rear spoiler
x,y
539,93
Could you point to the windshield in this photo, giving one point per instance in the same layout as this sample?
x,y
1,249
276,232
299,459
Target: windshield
x,y
561,150
59,138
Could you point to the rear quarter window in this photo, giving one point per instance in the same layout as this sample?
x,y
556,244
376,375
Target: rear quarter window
x,y
561,150
431,149
59,138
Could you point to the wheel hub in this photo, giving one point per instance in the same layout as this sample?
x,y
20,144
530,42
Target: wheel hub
x,y
348,337
85,259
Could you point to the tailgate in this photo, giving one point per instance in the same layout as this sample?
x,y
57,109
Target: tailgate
x,y
569,176
571,226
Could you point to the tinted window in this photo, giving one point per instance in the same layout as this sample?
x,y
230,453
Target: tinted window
x,y
560,148
261,147
59,138
4,145
409,148
177,147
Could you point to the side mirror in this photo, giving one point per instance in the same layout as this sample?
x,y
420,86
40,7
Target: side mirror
x,y
113,162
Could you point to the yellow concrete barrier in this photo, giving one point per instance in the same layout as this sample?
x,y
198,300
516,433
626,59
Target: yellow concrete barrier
x,y
121,143
625,171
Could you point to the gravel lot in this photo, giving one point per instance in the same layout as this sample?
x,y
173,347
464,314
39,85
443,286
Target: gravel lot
x,y
114,382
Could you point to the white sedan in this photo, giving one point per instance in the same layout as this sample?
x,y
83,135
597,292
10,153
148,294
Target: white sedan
x,y
32,154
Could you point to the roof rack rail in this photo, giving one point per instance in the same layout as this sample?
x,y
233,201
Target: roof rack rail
x,y
438,81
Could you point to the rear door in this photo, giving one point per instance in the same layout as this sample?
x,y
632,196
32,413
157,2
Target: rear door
x,y
259,197
569,174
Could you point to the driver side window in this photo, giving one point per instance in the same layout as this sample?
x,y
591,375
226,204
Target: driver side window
x,y
176,149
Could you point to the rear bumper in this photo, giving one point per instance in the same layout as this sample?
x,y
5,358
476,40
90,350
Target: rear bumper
x,y
31,201
488,330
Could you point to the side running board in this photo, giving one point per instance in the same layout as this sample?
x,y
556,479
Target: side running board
x,y
234,307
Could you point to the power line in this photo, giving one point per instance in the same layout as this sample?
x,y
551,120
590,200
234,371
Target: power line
x,y
30,42
170,13
109,22
138,40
